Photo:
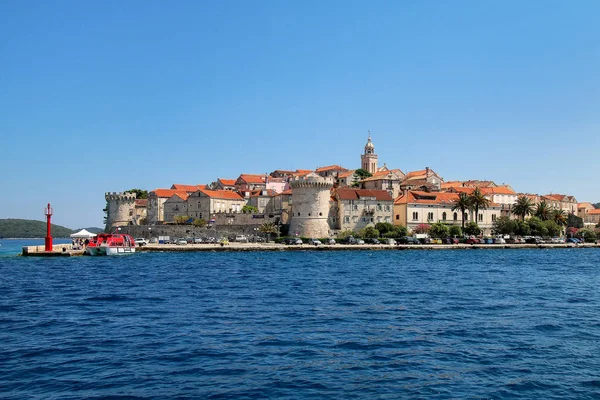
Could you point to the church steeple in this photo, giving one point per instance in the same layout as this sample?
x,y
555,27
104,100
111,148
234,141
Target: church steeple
x,y
368,160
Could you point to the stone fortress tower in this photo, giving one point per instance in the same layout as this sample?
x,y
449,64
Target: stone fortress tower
x,y
120,209
368,160
310,207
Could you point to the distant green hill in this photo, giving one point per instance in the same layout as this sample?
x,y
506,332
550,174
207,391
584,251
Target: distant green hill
x,y
93,229
597,205
27,228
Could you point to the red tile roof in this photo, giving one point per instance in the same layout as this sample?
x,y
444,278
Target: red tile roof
x,y
227,182
497,190
253,178
414,196
141,202
330,168
595,211
222,194
168,192
356,194
187,188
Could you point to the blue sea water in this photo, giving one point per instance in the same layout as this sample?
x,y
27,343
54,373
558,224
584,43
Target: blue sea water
x,y
359,324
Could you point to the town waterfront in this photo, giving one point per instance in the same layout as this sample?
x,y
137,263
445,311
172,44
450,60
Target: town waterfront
x,y
371,324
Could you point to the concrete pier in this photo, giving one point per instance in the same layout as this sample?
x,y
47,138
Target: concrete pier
x,y
58,250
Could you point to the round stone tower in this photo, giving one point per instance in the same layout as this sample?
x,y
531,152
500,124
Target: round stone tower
x,y
120,209
310,206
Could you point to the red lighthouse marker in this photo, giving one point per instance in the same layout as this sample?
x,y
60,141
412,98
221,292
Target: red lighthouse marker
x,y
48,214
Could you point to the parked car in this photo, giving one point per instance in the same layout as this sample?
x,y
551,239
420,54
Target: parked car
x,y
331,241
153,240
372,241
314,242
198,240
573,240
533,240
499,240
473,240
450,240
181,242
408,240
241,238
360,241
140,241
425,240
350,240
391,242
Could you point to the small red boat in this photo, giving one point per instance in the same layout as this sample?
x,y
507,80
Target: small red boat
x,y
111,244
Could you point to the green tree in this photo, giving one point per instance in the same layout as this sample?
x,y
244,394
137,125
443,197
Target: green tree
x,y
199,222
344,234
543,211
552,227
455,231
574,221
522,228
139,193
537,227
363,173
268,228
472,229
588,235
478,201
504,226
384,227
400,231
369,232
249,209
439,230
463,203
523,207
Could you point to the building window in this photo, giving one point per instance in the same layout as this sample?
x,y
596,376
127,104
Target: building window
x,y
415,216
378,207
480,217
309,214
356,207
493,217
320,214
130,213
347,220
387,208
444,215
455,216
430,216
397,216
298,214
466,217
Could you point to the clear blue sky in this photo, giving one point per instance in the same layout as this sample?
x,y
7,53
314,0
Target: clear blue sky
x,y
108,96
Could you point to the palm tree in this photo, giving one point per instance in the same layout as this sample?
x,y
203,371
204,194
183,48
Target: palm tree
x,y
523,207
560,217
268,228
463,203
478,201
543,211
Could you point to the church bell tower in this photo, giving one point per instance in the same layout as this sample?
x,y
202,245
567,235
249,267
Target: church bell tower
x,y
368,160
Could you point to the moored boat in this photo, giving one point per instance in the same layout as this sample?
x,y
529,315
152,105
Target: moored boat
x,y
111,244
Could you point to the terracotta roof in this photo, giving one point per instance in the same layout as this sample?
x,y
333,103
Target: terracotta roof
x,y
595,211
168,192
497,190
253,178
442,198
227,182
450,184
282,171
346,174
330,168
258,193
222,194
356,194
187,188
585,205
181,195
460,189
141,202
417,174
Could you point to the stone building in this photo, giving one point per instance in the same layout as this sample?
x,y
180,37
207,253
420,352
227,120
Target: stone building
x,y
120,209
422,178
246,183
175,206
389,181
415,208
354,209
156,201
310,207
204,203
330,171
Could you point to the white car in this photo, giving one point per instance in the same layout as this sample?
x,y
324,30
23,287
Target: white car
x,y
140,241
181,242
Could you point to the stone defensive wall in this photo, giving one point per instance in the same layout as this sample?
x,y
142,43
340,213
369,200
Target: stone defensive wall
x,y
224,225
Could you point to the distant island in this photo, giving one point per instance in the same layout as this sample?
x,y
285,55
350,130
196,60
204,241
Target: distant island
x,y
27,228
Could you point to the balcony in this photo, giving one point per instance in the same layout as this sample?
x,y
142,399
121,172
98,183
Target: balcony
x,y
368,211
